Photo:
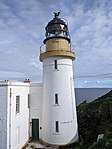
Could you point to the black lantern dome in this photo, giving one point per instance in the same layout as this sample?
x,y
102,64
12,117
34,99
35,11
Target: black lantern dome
x,y
57,28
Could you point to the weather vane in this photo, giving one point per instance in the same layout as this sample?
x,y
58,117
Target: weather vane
x,y
56,14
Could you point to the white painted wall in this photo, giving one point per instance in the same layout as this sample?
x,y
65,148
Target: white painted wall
x,y
3,116
58,81
36,105
19,122
14,128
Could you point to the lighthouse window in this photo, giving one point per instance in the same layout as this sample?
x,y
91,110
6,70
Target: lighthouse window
x,y
57,126
55,64
17,104
56,98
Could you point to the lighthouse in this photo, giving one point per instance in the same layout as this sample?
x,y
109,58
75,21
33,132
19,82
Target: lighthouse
x,y
59,118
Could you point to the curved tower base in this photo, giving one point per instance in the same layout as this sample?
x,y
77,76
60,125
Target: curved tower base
x,y
59,120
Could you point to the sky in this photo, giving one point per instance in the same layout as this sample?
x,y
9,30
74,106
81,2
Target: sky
x,y
22,31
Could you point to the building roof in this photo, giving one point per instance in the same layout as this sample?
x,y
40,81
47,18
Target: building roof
x,y
12,83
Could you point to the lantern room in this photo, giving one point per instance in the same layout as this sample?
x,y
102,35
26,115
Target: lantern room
x,y
57,28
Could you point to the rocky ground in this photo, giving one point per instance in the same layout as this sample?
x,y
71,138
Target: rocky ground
x,y
37,145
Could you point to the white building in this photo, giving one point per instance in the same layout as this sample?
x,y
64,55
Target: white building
x,y
14,114
44,111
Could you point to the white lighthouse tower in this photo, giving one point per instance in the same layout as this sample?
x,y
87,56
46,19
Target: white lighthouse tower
x,y
59,119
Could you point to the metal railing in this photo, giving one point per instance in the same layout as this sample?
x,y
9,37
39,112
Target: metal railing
x,y
42,48
70,48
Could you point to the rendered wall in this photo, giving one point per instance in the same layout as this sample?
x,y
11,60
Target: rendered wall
x,y
36,105
3,117
19,122
58,81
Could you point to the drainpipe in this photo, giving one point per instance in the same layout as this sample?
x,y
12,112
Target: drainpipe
x,y
10,118
29,115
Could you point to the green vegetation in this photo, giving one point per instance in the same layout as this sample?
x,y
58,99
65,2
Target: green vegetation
x,y
105,143
93,119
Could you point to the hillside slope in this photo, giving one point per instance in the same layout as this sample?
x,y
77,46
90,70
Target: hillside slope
x,y
93,119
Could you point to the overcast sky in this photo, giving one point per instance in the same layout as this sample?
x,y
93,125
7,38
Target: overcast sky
x,y
22,32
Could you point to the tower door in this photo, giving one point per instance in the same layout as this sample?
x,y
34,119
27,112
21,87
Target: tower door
x,y
35,129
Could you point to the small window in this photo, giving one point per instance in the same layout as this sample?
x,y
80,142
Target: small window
x,y
56,98
55,64
17,104
28,100
57,126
